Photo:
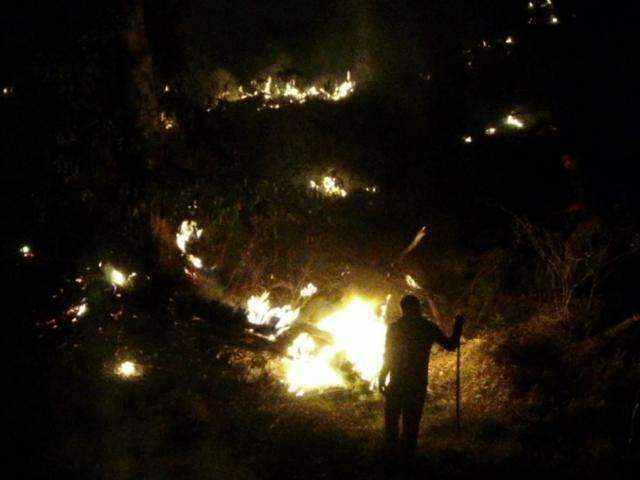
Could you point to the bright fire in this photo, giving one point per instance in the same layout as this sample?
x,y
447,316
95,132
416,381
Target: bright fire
x,y
309,290
357,334
310,367
128,369
188,232
329,187
514,121
195,261
116,277
349,341
260,312
274,93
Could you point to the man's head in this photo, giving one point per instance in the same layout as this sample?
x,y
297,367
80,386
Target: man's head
x,y
569,162
410,306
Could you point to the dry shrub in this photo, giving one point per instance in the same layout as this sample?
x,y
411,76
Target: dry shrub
x,y
484,384
532,354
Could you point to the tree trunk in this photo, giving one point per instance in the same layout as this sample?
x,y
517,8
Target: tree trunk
x,y
145,136
142,94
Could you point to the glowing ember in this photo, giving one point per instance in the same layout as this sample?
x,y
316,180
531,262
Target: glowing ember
x,y
195,261
416,241
411,282
260,312
357,333
329,187
78,310
343,89
544,5
188,232
308,291
167,122
128,369
514,121
117,278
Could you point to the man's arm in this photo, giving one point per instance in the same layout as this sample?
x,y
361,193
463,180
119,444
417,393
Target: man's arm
x,y
386,367
452,342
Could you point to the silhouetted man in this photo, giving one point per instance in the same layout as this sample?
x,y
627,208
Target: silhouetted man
x,y
406,360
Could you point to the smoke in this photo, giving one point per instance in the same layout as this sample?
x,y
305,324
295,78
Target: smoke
x,y
250,40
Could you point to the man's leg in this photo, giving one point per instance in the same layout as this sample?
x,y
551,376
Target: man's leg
x,y
391,419
411,415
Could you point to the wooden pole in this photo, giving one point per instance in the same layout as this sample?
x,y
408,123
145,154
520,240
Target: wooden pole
x,y
458,388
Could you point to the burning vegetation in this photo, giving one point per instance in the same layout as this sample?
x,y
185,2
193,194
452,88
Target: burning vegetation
x,y
273,92
210,263
319,351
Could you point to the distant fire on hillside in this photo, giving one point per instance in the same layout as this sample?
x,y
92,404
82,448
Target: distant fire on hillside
x,y
273,92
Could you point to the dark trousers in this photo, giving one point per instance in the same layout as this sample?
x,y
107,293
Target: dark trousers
x,y
408,407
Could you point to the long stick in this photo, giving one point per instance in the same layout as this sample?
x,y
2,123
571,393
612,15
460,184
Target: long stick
x,y
458,388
